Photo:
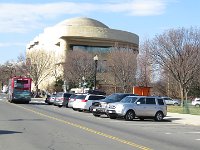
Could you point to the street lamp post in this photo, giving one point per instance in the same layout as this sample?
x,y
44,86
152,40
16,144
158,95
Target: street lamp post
x,y
95,71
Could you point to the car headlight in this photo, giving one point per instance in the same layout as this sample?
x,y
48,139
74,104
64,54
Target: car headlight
x,y
111,106
119,108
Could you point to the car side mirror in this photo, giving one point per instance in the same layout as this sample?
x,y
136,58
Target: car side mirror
x,y
138,103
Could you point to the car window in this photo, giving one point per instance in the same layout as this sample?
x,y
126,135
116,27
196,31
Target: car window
x,y
150,101
95,97
167,98
141,100
73,95
126,100
80,96
133,99
160,101
59,94
67,95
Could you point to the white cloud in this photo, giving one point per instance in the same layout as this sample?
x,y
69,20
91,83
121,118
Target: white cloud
x,y
20,18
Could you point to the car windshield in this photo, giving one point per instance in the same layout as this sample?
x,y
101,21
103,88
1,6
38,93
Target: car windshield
x,y
113,98
128,100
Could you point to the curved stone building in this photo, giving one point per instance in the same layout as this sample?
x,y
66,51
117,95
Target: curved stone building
x,y
87,33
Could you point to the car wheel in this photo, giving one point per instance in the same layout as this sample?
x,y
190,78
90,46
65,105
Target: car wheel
x,y
112,116
90,109
96,115
175,104
197,105
159,116
130,115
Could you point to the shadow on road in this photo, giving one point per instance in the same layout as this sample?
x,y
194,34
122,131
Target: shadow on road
x,y
8,132
26,120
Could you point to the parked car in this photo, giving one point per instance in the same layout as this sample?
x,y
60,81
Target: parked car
x,y
138,106
196,102
84,101
71,100
170,101
99,108
96,92
61,99
50,99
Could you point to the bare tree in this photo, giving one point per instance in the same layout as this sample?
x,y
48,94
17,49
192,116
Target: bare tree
x,y
79,64
145,66
177,52
6,73
41,65
122,62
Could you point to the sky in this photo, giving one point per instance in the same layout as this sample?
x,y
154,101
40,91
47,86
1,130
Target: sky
x,y
22,20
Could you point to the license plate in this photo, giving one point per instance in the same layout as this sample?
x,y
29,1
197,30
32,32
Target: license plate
x,y
110,111
94,109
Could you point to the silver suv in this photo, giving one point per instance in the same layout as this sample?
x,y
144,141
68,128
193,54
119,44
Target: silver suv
x,y
170,101
138,106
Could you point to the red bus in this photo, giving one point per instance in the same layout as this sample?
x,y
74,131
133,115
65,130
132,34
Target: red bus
x,y
19,89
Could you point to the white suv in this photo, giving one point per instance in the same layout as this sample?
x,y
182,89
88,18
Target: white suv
x,y
138,106
196,102
84,101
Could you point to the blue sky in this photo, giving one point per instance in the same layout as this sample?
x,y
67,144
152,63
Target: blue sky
x,y
22,20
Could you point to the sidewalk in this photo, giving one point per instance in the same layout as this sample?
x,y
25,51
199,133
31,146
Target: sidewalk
x,y
186,119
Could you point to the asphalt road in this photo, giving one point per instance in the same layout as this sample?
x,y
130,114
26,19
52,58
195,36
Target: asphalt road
x,y
37,126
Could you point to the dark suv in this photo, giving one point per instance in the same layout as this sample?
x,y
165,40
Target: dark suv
x,y
99,108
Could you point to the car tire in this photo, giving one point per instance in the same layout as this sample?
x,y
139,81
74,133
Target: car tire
x,y
90,109
159,116
112,116
130,115
96,115
197,105
66,105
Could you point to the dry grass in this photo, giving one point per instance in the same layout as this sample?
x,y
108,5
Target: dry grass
x,y
184,110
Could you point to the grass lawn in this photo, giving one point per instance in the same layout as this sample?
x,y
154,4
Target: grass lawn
x,y
184,110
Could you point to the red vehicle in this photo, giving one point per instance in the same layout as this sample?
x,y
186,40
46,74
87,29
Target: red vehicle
x,y
19,89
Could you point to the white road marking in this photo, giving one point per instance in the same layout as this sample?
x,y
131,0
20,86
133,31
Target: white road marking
x,y
197,139
168,133
193,132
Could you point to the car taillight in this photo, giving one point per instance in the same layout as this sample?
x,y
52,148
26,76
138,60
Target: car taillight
x,y
61,98
83,100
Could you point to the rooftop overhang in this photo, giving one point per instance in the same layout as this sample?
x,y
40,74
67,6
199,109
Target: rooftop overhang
x,y
98,35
